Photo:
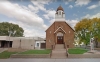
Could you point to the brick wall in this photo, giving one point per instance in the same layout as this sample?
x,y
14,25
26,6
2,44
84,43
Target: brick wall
x,y
51,37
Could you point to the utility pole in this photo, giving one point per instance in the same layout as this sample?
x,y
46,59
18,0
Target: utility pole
x,y
9,38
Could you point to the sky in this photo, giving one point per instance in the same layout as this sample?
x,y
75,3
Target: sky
x,y
35,16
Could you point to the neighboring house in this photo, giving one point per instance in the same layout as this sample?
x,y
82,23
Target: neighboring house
x,y
40,43
59,32
6,41
21,42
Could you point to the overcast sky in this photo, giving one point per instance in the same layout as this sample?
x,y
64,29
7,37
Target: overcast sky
x,y
36,16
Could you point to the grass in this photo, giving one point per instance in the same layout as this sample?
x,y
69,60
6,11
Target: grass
x,y
6,54
77,51
36,52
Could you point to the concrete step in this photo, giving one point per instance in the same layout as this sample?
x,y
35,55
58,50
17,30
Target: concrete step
x,y
59,51
55,51
58,54
59,57
59,46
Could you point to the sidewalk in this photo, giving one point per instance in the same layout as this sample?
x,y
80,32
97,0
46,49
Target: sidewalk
x,y
3,49
93,52
50,60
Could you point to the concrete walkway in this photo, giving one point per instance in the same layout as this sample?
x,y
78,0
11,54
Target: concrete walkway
x,y
93,52
3,49
59,52
50,60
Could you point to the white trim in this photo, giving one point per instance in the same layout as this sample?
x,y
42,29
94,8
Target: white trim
x,y
69,25
50,26
59,21
59,28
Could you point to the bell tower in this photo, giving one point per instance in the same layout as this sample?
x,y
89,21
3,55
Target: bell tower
x,y
60,15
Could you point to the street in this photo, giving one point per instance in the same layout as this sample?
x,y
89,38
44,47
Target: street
x,y
49,60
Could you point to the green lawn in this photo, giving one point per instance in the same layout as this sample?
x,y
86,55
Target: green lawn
x,y
36,52
77,51
6,54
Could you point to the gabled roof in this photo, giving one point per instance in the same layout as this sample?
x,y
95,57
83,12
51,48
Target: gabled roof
x,y
58,29
70,27
60,21
49,26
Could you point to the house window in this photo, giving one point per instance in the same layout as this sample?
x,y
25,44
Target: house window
x,y
37,44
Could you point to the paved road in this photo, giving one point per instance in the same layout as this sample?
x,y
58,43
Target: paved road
x,y
50,60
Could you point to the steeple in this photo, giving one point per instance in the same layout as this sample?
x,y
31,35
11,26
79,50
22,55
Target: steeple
x,y
60,15
60,8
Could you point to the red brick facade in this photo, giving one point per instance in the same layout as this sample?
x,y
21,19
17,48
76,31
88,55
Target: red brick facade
x,y
63,27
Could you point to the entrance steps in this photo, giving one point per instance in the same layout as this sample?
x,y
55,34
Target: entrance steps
x,y
59,46
59,51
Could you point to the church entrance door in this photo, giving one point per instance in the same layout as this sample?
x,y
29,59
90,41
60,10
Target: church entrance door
x,y
59,39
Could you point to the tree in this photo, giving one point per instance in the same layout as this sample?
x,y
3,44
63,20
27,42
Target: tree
x,y
88,28
6,27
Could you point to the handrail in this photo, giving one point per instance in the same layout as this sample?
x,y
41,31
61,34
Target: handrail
x,y
66,47
52,47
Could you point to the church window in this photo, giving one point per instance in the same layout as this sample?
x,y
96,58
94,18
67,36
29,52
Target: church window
x,y
59,34
59,12
69,31
49,40
50,32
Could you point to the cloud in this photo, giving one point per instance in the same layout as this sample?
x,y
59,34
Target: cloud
x,y
72,23
20,14
92,6
86,16
92,16
33,8
74,15
25,15
40,4
51,21
82,2
96,15
67,1
29,31
70,6
49,14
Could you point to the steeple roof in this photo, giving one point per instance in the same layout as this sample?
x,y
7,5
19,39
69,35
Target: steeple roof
x,y
60,8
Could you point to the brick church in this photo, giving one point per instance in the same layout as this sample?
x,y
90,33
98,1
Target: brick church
x,y
59,32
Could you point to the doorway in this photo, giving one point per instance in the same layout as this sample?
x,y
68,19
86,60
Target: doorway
x,y
60,38
6,44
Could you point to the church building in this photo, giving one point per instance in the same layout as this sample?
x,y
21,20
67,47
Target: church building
x,y
59,32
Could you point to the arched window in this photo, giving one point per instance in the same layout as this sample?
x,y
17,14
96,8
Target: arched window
x,y
59,34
